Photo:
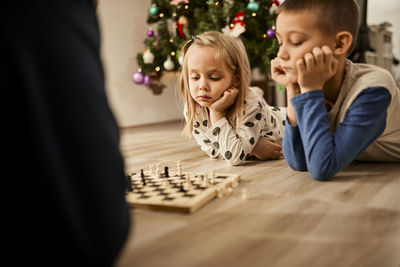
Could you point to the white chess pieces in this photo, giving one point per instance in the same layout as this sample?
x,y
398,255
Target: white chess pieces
x,y
213,178
206,179
188,184
158,171
179,168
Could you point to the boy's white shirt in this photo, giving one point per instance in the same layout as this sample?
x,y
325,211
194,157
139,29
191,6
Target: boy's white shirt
x,y
221,140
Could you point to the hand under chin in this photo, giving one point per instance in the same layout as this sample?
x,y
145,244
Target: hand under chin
x,y
292,78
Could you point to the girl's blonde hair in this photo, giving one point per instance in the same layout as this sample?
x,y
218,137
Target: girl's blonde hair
x,y
233,53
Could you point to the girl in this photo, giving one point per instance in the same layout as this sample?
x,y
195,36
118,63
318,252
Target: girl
x,y
226,117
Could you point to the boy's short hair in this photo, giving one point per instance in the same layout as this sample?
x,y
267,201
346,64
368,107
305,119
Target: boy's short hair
x,y
333,16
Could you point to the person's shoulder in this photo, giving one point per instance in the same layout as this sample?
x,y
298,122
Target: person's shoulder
x,y
254,97
368,75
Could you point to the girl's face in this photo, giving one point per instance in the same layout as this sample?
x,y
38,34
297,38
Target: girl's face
x,y
209,76
298,34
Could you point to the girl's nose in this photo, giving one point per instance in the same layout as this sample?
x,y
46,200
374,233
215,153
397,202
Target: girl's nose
x,y
203,85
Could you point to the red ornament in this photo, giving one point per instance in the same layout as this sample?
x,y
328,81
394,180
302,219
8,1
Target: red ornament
x,y
181,23
238,19
276,2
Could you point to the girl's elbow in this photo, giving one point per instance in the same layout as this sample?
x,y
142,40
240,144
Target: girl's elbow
x,y
233,160
232,163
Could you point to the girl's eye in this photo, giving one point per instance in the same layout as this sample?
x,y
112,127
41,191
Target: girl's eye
x,y
215,78
194,78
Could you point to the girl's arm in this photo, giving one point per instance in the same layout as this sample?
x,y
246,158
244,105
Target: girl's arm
x,y
326,153
203,141
235,146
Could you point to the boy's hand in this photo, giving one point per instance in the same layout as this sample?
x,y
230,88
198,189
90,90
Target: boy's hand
x,y
218,108
279,75
315,68
292,87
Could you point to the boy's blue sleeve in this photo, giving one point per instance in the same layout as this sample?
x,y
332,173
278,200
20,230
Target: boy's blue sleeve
x,y
326,153
292,148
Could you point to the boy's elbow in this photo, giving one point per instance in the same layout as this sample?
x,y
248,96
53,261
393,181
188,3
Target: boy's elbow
x,y
320,174
296,165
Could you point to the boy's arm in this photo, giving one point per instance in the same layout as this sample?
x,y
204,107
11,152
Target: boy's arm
x,y
292,147
327,154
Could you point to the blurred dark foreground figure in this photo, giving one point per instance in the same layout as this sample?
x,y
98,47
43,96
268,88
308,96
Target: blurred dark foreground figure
x,y
64,173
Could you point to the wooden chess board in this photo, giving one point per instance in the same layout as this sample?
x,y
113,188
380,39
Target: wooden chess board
x,y
184,193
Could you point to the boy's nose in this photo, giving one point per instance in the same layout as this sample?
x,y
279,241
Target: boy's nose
x,y
282,53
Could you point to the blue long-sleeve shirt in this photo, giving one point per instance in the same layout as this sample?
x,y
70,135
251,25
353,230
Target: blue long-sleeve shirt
x,y
311,146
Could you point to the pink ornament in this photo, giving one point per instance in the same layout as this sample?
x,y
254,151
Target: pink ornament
x,y
150,33
271,33
138,77
147,80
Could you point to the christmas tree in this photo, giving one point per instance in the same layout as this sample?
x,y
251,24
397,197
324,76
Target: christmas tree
x,y
173,22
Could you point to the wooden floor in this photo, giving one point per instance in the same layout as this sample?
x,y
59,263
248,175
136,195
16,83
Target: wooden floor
x,y
287,219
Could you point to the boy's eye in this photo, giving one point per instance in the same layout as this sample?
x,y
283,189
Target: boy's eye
x,y
297,43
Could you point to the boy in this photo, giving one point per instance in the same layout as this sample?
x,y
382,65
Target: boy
x,y
338,111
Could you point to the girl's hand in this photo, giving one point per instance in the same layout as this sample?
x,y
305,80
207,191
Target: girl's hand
x,y
315,68
225,101
267,149
218,108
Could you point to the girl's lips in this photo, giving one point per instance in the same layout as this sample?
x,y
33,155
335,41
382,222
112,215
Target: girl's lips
x,y
203,98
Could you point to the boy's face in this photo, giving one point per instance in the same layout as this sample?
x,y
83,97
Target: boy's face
x,y
297,34
209,76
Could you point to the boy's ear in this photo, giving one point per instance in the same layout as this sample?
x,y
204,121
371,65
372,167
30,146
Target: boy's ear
x,y
343,43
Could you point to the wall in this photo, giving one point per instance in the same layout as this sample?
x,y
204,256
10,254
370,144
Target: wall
x,y
123,27
388,10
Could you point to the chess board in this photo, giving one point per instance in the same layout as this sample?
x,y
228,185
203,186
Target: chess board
x,y
185,192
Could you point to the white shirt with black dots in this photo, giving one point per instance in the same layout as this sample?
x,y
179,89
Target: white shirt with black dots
x,y
221,140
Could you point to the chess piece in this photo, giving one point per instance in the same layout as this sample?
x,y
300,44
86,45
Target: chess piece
x,y
213,178
182,189
166,172
158,171
188,184
179,168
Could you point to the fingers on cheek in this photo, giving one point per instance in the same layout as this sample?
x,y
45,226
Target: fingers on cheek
x,y
309,60
300,64
318,54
